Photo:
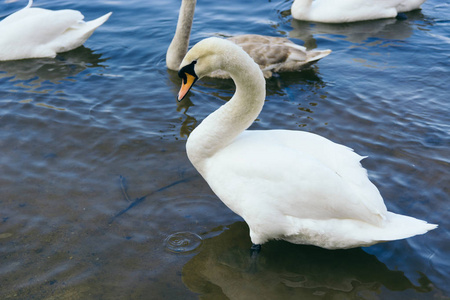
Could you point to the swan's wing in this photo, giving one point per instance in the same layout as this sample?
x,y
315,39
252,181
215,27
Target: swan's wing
x,y
321,180
14,17
75,36
331,11
276,53
28,32
405,6
37,32
42,23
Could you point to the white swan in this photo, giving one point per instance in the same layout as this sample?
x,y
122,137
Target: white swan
x,y
342,11
272,54
290,185
37,32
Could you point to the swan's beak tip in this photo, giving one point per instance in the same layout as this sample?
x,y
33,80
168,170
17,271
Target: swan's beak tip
x,y
188,82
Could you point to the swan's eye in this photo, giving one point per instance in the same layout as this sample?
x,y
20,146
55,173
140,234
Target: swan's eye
x,y
188,69
187,74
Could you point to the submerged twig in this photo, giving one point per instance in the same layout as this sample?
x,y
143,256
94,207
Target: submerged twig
x,y
123,188
140,199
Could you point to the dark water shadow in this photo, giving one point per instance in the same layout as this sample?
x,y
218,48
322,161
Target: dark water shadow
x,y
62,67
224,269
357,32
309,78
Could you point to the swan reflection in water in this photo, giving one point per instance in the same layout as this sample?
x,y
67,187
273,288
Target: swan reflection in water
x,y
287,271
357,32
62,67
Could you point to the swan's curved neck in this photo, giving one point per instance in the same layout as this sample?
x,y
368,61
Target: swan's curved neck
x,y
180,42
221,127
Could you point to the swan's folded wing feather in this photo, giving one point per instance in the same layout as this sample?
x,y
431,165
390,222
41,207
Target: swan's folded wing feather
x,y
277,53
300,53
342,160
75,35
260,172
57,22
262,51
38,32
39,26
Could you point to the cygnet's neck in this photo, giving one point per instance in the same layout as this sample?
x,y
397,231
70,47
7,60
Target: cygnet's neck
x,y
222,126
180,42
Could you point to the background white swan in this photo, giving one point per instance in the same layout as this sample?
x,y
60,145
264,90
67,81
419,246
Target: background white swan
x,y
37,32
272,54
290,185
332,11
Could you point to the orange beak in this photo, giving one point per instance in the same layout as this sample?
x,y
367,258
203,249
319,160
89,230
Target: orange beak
x,y
186,85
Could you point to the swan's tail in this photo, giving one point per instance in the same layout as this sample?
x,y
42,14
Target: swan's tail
x,y
315,55
90,26
76,35
311,55
85,30
401,227
351,233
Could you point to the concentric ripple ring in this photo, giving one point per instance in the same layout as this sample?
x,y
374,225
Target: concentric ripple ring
x,y
182,242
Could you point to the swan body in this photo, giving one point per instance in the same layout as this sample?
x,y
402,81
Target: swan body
x,y
37,32
331,11
290,185
272,54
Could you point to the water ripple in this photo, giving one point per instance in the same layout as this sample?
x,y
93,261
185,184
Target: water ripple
x,y
182,242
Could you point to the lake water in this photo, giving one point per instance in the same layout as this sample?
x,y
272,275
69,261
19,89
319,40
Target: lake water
x,y
94,177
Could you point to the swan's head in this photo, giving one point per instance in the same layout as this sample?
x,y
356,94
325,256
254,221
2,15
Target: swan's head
x,y
206,56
